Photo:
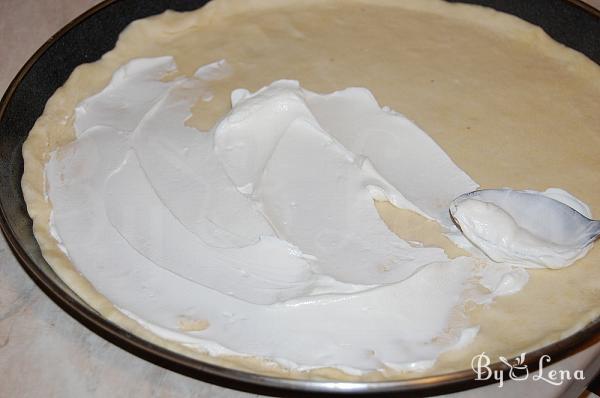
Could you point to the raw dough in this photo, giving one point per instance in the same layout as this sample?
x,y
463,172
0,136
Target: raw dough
x,y
508,104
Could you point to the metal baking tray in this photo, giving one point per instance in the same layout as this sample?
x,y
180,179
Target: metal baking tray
x,y
95,32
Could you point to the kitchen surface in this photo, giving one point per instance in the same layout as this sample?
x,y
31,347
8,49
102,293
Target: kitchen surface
x,y
46,353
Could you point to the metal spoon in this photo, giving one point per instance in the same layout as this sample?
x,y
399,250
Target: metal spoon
x,y
526,227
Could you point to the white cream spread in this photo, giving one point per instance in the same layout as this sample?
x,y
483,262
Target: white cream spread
x,y
526,228
264,229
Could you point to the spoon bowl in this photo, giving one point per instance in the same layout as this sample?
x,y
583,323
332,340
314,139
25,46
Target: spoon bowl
x,y
529,228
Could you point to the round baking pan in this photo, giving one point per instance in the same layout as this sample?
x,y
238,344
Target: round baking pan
x,y
95,32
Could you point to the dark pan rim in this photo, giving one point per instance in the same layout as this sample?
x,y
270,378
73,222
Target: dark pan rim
x,y
247,381
589,8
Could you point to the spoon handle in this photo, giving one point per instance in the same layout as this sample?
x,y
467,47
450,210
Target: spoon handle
x,y
594,231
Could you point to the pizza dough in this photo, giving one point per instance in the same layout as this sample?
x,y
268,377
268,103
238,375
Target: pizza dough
x,y
509,105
